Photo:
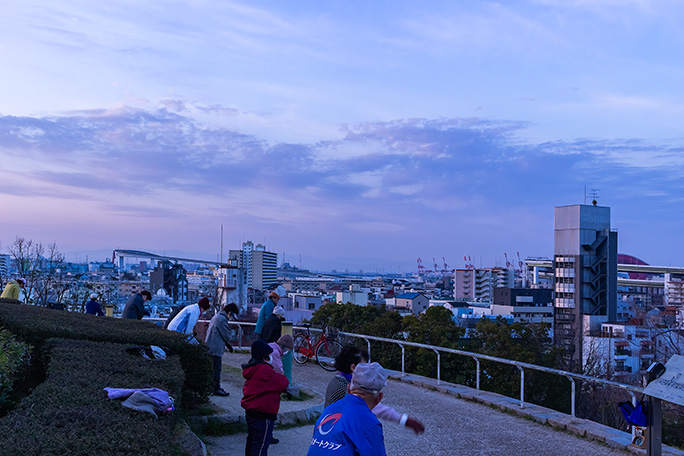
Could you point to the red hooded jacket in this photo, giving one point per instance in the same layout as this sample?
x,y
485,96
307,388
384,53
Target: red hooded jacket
x,y
262,389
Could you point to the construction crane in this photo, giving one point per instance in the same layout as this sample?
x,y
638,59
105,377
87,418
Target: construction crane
x,y
421,268
509,265
434,265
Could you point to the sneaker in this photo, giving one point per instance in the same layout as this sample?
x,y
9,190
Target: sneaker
x,y
274,441
220,392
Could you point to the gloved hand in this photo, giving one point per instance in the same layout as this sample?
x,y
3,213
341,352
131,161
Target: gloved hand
x,y
229,347
415,425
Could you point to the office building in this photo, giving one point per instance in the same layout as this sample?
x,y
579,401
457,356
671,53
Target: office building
x,y
528,304
260,266
585,276
479,284
4,265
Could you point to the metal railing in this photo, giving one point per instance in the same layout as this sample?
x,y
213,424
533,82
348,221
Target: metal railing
x,y
477,357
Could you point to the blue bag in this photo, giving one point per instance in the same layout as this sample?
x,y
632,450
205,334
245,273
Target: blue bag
x,y
635,415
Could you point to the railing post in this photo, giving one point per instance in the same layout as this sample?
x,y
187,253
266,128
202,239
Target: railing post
x,y
438,367
477,373
572,396
655,427
369,353
634,404
403,371
522,386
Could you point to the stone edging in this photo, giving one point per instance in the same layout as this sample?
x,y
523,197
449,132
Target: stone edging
x,y
557,420
284,419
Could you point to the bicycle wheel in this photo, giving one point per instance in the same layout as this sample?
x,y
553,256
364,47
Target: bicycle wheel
x,y
326,353
301,348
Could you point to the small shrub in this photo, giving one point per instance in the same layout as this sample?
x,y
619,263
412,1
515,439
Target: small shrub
x,y
14,357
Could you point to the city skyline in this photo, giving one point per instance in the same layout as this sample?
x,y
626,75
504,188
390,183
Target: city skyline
x,y
355,136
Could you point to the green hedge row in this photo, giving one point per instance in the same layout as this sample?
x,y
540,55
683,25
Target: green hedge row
x,y
35,325
69,413
14,357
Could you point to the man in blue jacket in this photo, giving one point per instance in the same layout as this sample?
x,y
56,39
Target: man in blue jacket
x,y
348,427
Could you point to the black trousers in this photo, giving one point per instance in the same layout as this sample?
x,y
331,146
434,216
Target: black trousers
x,y
259,435
218,363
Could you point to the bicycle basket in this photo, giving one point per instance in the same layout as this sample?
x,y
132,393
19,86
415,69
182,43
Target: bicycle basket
x,y
331,331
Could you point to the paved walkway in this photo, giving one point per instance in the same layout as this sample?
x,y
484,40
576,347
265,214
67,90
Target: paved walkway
x,y
454,426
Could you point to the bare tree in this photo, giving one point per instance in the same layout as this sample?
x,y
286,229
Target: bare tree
x,y
49,283
27,256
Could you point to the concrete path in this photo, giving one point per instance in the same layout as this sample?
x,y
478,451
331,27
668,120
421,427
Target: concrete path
x,y
453,426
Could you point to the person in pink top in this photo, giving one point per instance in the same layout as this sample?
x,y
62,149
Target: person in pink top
x,y
280,348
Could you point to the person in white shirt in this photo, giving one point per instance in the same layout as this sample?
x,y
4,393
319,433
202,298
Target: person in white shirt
x,y
187,318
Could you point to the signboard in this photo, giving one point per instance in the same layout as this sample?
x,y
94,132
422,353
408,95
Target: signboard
x,y
670,386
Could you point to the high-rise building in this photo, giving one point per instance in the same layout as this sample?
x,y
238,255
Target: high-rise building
x,y
259,265
585,276
479,284
4,265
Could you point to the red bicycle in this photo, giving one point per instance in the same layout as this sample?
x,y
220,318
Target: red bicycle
x,y
326,348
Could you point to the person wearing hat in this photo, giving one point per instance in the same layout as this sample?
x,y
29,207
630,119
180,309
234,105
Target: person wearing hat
x,y
346,363
267,309
273,327
349,425
218,339
281,347
93,307
187,318
13,289
261,398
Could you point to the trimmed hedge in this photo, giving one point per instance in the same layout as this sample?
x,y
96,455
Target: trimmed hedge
x,y
69,413
35,325
14,357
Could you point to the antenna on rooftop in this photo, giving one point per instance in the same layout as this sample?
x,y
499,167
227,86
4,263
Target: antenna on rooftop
x,y
594,195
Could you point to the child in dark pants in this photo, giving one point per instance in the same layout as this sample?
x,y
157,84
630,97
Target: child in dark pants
x,y
261,398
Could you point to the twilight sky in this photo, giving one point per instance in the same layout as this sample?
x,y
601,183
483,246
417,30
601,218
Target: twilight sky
x,y
348,134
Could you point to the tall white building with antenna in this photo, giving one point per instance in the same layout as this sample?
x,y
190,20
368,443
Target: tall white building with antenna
x,y
259,265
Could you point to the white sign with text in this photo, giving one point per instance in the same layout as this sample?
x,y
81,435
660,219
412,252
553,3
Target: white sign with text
x,y
670,386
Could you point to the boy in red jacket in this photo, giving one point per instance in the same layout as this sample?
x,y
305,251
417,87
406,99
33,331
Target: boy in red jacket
x,y
261,398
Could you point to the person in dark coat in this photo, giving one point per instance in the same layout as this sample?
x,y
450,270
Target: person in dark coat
x,y
135,307
218,339
93,307
273,327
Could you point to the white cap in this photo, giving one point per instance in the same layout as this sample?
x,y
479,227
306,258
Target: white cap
x,y
369,377
280,291
93,296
